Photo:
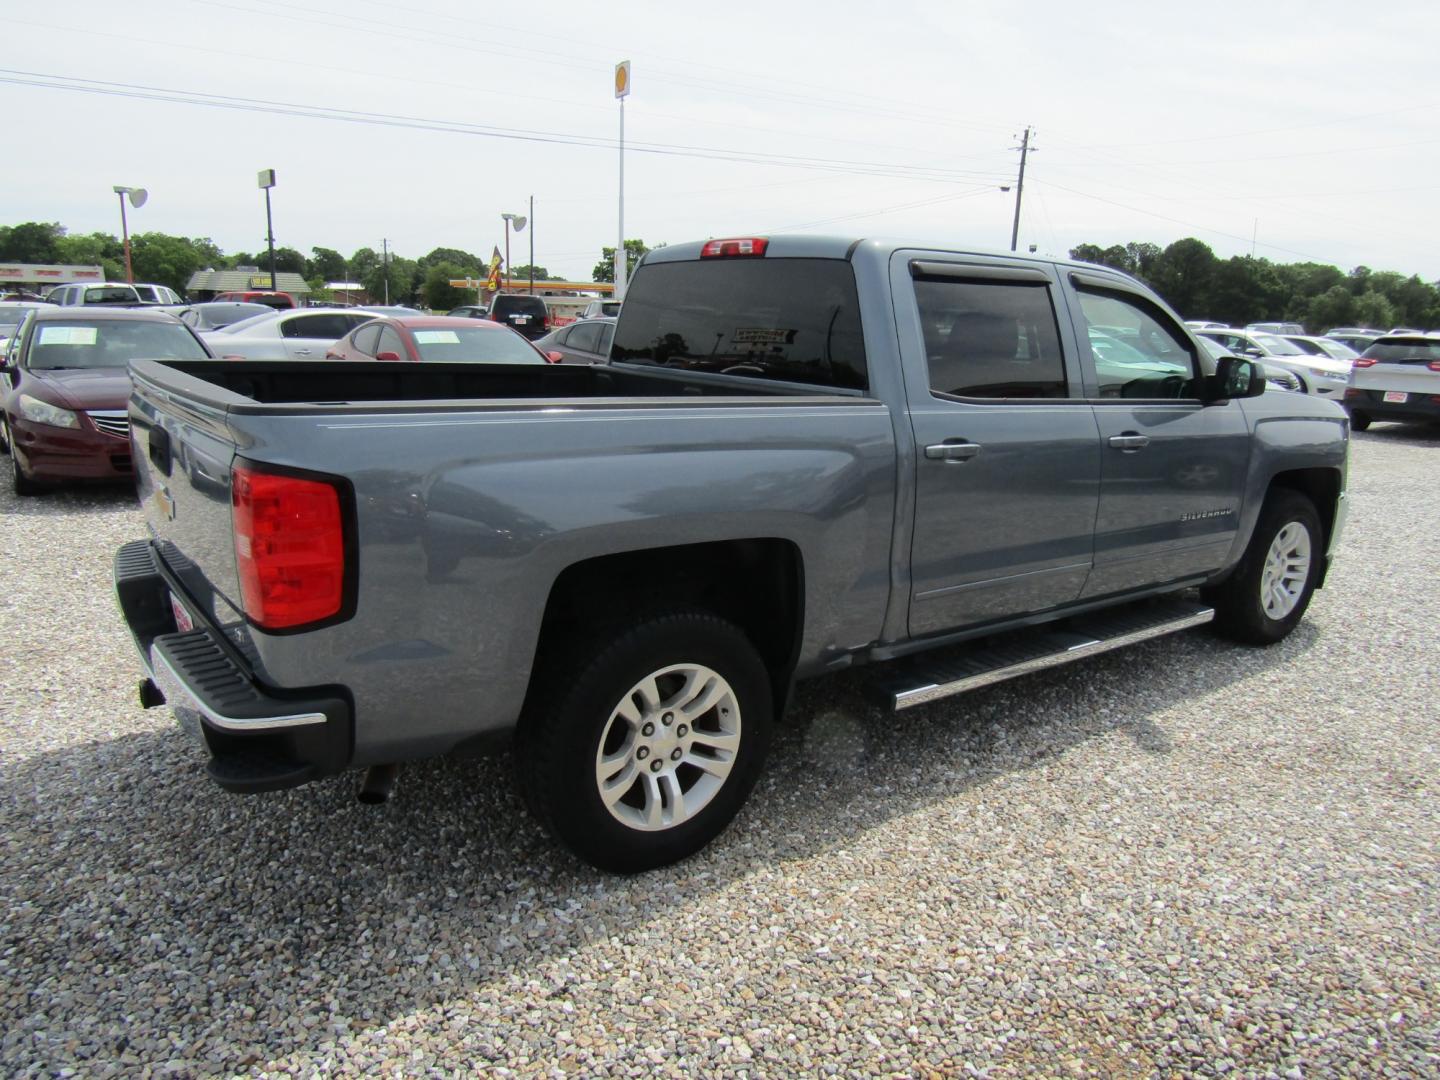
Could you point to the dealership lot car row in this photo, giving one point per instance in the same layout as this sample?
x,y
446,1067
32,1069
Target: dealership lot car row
x,y
1067,862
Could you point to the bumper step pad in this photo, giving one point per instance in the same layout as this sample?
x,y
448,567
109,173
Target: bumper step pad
x,y
945,672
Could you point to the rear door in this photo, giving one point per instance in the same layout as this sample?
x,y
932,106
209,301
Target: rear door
x,y
1007,468
1172,469
307,337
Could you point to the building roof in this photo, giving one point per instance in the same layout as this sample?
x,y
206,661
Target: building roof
x,y
243,281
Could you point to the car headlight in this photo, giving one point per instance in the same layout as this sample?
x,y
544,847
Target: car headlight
x,y
1332,376
42,412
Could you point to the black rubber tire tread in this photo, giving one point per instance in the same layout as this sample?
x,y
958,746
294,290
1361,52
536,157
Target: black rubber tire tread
x,y
1359,421
4,437
576,684
23,484
1239,613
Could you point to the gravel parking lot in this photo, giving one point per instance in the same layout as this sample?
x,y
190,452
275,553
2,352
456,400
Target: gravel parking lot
x,y
1182,858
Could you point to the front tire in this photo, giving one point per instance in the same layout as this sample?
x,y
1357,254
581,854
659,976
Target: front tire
x,y
637,749
1266,596
20,479
1359,421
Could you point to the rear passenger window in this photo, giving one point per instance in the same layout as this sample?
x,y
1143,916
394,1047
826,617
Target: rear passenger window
x,y
991,339
585,338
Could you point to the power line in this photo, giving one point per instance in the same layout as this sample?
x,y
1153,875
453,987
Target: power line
x,y
226,101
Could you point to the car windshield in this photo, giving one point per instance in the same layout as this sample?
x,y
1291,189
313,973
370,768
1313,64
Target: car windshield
x,y
474,345
1418,351
1338,350
1278,346
96,344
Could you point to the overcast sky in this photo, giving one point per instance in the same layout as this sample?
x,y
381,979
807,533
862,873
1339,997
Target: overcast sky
x,y
1306,129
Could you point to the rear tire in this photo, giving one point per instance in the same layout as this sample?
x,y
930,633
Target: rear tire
x,y
1266,596
1359,421
638,748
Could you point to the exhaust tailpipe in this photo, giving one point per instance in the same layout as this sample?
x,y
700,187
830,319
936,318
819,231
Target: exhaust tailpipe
x,y
150,695
379,782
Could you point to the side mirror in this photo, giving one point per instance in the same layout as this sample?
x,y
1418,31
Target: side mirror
x,y
387,356
1236,377
555,357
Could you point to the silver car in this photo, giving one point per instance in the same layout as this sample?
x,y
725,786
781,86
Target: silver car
x,y
1318,375
584,342
286,334
1396,378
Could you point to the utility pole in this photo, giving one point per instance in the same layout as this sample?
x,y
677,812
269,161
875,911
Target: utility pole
x,y
385,267
1019,189
532,245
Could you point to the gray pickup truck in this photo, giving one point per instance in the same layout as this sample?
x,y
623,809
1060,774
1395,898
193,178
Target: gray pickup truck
x,y
805,454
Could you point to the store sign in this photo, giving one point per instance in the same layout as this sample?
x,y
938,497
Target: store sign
x,y
49,273
261,281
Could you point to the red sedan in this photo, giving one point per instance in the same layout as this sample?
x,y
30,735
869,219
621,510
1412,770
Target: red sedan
x,y
438,337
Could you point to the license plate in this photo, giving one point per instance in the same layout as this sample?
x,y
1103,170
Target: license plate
x,y
183,622
520,318
1397,396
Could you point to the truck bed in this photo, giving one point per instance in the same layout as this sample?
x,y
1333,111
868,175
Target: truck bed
x,y
244,385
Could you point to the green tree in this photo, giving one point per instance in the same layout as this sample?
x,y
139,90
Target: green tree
x,y
363,263
605,268
522,273
1182,275
32,242
400,273
94,249
439,294
463,259
1334,307
327,264
1373,309
164,260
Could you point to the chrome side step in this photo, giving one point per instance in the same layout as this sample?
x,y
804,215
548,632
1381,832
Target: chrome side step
x,y
932,676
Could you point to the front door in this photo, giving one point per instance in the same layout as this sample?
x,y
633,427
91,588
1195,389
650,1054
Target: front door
x,y
1172,469
1007,457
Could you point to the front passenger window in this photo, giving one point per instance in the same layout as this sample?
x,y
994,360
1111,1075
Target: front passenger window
x,y
1137,352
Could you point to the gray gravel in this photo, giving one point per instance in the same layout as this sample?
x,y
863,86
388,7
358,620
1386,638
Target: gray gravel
x,y
1186,858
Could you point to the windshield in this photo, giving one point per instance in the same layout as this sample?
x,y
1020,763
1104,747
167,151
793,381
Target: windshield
x,y
795,320
96,344
475,345
1277,346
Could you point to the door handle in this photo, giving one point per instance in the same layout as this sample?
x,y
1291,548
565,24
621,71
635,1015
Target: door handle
x,y
1129,442
302,352
952,451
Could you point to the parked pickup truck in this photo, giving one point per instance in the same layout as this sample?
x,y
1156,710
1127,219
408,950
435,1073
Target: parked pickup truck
x,y
805,454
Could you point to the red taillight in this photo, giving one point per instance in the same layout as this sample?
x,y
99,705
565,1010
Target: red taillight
x,y
1365,361
289,547
1434,365
754,245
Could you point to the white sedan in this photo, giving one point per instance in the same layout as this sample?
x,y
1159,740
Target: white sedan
x,y
293,334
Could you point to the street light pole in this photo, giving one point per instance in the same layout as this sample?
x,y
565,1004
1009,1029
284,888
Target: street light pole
x,y
622,91
517,222
137,199
532,245
266,179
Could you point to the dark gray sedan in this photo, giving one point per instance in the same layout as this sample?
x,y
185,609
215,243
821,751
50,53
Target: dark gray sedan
x,y
585,342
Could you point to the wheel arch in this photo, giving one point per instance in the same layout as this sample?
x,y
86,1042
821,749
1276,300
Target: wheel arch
x,y
1321,485
756,583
